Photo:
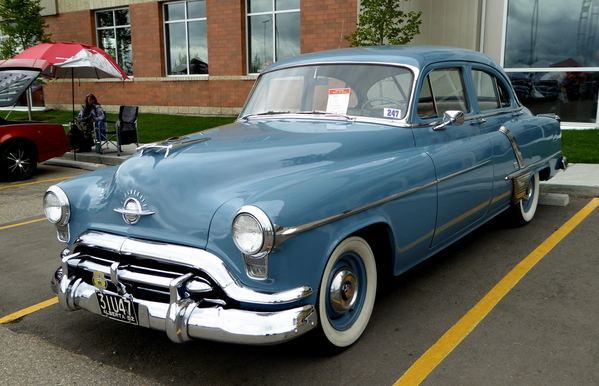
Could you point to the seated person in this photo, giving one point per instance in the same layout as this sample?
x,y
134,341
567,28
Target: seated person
x,y
91,111
91,115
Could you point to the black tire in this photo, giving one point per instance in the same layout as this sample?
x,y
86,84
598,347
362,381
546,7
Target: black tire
x,y
18,161
524,211
347,293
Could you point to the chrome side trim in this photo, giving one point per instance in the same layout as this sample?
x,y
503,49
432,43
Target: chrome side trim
x,y
532,166
521,177
192,258
510,136
285,233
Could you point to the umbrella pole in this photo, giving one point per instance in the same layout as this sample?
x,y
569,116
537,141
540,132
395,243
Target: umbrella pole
x,y
29,102
73,92
73,100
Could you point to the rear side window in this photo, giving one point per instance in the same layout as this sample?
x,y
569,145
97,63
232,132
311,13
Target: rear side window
x,y
490,93
442,90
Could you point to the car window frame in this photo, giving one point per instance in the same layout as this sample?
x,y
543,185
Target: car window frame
x,y
466,84
502,81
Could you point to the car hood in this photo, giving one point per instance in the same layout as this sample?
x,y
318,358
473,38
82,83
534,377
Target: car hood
x,y
184,181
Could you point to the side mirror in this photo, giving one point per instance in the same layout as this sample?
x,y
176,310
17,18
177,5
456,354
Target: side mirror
x,y
451,116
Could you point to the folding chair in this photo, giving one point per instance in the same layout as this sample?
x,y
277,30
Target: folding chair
x,y
123,133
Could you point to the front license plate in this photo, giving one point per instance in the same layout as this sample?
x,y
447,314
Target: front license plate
x,y
117,308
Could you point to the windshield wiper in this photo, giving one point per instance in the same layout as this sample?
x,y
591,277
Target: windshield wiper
x,y
271,112
349,118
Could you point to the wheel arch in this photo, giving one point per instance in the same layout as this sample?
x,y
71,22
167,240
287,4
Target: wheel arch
x,y
380,238
26,141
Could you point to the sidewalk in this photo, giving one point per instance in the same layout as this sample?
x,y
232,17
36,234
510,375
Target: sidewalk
x,y
580,180
92,160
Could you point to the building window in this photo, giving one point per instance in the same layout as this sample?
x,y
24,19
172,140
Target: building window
x,y
186,38
273,31
555,70
3,37
114,36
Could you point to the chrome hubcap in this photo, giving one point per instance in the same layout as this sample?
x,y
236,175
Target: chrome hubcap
x,y
19,162
343,290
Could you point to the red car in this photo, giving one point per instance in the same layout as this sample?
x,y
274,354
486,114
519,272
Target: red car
x,y
23,144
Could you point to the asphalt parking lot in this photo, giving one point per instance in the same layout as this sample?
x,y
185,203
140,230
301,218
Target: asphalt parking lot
x,y
503,306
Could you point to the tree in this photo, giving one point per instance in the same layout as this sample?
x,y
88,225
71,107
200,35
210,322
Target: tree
x,y
382,22
23,25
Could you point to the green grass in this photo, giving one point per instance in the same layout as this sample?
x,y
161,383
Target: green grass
x,y
579,146
152,127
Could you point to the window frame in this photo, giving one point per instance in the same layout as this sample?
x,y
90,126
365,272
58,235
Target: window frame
x,y
500,91
186,22
273,13
426,82
114,28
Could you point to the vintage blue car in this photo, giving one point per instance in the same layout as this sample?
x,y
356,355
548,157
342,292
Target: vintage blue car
x,y
343,167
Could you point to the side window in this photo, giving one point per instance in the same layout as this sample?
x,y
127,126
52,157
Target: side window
x,y
186,38
490,93
114,36
442,90
273,32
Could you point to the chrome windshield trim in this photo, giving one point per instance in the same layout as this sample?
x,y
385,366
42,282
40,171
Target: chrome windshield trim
x,y
285,233
328,117
194,258
356,118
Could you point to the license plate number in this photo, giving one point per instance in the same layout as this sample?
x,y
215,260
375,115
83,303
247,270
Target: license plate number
x,y
117,308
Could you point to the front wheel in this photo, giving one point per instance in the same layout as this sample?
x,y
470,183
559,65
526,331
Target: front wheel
x,y
347,292
18,161
524,211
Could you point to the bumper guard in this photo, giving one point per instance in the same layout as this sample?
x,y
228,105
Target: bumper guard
x,y
183,318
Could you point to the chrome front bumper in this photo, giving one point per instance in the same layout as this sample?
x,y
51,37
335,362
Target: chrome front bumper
x,y
182,317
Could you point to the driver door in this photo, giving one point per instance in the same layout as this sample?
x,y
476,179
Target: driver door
x,y
462,154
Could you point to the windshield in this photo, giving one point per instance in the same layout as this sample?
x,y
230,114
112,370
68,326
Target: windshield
x,y
341,89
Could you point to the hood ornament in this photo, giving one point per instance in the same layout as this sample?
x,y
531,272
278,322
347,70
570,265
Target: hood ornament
x,y
133,207
169,144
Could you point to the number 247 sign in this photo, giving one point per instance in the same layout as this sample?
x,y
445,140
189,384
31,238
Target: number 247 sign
x,y
392,113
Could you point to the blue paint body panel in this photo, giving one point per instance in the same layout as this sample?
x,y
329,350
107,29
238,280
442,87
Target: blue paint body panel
x,y
422,186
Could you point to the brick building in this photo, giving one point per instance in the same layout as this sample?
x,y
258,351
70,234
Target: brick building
x,y
163,81
202,56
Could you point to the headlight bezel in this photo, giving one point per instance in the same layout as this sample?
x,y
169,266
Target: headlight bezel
x,y
63,205
267,234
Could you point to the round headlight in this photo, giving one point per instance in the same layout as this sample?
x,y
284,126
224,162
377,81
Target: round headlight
x,y
252,231
56,206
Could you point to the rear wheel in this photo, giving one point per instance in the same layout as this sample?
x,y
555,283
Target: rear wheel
x,y
524,211
18,161
347,292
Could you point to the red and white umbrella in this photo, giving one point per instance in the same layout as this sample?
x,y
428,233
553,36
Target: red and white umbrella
x,y
68,60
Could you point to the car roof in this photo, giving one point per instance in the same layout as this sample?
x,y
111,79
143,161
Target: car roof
x,y
413,55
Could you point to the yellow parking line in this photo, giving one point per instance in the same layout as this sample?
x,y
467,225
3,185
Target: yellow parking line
x,y
450,340
22,223
28,310
35,182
